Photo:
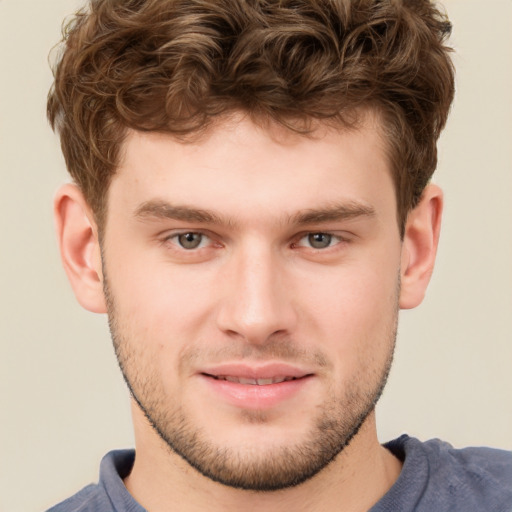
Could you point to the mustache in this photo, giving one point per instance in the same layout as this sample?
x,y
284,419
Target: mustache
x,y
275,348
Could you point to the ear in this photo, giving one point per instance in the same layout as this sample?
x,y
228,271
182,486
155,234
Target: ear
x,y
419,246
77,235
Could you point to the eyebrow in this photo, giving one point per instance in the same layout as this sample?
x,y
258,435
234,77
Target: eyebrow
x,y
159,209
333,213
163,210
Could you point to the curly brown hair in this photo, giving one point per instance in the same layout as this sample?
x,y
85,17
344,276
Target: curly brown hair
x,y
175,65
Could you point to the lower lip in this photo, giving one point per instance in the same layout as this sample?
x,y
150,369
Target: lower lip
x,y
252,396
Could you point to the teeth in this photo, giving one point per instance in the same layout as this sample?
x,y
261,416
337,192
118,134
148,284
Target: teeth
x,y
247,381
254,382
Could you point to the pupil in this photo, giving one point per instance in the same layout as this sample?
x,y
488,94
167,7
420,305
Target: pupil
x,y
190,240
319,240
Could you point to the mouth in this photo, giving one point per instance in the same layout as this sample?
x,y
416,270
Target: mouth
x,y
253,381
257,386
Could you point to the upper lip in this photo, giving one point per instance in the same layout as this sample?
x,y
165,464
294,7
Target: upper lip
x,y
255,371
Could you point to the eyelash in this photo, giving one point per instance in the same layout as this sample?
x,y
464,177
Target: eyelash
x,y
331,237
174,239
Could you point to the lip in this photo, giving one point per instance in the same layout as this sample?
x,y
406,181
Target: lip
x,y
256,371
256,396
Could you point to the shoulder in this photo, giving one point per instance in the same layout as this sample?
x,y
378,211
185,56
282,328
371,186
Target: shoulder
x,y
474,462
109,491
90,499
443,478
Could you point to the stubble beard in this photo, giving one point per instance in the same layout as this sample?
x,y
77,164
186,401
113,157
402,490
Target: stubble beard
x,y
337,421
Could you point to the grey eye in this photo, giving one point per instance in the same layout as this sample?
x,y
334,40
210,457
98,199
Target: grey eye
x,y
319,240
190,240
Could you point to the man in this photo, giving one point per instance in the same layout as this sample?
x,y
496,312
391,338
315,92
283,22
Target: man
x,y
252,207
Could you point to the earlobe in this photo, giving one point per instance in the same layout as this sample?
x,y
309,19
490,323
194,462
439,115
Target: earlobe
x,y
77,235
419,247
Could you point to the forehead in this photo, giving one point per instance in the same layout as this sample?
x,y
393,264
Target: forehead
x,y
240,165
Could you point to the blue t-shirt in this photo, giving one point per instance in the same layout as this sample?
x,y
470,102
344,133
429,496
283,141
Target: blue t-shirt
x,y
435,478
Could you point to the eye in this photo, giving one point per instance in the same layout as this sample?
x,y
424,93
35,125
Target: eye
x,y
319,240
190,240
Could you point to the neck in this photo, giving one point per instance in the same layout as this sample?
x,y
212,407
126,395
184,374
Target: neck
x,y
360,475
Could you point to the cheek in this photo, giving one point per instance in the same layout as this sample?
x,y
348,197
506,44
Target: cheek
x,y
159,305
354,314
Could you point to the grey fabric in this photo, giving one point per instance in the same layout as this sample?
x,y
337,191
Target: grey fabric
x,y
439,478
110,494
435,478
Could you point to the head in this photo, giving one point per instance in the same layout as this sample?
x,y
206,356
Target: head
x,y
251,212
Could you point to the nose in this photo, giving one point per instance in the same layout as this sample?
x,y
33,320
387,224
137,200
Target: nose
x,y
257,297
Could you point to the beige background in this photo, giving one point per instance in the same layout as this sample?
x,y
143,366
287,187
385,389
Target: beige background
x,y
62,401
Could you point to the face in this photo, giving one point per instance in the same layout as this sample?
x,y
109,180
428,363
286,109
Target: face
x,y
252,281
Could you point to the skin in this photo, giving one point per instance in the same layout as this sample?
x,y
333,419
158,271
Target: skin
x,y
257,291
